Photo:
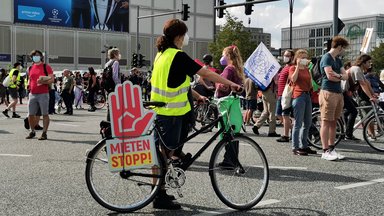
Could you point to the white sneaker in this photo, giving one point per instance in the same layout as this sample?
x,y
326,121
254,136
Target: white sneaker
x,y
339,156
329,156
372,139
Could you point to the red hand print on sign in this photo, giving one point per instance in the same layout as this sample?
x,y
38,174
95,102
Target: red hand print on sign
x,y
129,118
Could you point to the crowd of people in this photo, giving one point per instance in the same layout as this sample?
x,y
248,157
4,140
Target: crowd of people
x,y
173,73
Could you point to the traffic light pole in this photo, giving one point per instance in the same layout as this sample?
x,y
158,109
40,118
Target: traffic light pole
x,y
242,4
335,17
148,16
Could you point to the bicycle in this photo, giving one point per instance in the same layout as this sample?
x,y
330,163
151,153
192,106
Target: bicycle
x,y
99,98
205,113
131,190
375,118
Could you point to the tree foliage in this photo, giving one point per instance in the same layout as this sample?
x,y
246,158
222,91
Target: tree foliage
x,y
232,33
377,55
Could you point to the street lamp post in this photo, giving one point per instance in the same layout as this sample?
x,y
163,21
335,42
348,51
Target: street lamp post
x,y
291,2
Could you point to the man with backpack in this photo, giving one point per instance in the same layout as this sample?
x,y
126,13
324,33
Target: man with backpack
x,y
40,76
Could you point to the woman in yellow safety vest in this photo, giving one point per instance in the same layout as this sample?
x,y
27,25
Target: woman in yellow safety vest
x,y
171,77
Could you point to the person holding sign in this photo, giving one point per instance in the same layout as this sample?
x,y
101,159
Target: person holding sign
x,y
171,77
300,76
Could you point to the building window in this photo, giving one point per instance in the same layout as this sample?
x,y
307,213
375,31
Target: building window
x,y
5,43
327,31
319,32
311,42
319,42
89,48
312,33
61,47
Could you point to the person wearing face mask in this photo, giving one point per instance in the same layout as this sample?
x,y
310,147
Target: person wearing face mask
x,y
40,76
300,77
172,72
13,88
282,81
331,98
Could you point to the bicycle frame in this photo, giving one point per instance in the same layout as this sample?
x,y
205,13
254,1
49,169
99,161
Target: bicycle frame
x,y
374,111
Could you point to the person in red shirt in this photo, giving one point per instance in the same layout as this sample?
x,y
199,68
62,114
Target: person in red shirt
x,y
40,76
300,77
285,114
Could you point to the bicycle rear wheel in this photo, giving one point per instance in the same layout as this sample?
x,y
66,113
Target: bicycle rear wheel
x,y
99,100
124,191
375,136
240,176
314,131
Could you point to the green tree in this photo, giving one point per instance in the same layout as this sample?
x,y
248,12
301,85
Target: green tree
x,y
377,55
232,33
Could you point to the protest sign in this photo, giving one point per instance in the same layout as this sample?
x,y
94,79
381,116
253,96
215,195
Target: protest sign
x,y
261,66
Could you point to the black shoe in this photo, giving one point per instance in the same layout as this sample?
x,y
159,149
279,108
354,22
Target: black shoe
x,y
283,139
31,135
91,110
160,202
5,112
26,123
353,138
309,150
43,136
38,127
162,193
299,152
255,130
15,115
274,134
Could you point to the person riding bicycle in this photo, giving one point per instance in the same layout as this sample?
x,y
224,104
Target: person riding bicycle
x,y
172,72
204,86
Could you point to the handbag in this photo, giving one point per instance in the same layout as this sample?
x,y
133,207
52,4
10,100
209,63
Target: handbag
x,y
6,81
286,97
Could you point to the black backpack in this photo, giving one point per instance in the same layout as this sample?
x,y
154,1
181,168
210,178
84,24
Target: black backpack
x,y
316,71
107,78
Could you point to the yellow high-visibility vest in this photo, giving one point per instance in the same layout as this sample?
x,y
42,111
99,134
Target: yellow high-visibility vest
x,y
11,84
176,99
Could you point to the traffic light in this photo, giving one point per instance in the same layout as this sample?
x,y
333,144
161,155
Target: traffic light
x,y
20,59
134,60
220,12
141,60
248,8
327,45
185,12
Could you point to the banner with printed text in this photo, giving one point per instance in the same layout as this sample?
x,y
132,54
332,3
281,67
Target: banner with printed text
x,y
131,146
261,66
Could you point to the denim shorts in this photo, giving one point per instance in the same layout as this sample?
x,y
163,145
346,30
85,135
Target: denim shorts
x,y
279,109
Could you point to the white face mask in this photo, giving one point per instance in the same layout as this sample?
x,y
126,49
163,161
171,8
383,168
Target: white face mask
x,y
286,59
186,40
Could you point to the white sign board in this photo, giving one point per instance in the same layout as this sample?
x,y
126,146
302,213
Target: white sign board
x,y
366,40
261,66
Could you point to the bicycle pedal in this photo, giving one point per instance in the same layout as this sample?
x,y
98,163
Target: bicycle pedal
x,y
179,193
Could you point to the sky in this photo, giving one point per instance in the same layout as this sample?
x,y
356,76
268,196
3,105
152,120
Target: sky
x,y
273,16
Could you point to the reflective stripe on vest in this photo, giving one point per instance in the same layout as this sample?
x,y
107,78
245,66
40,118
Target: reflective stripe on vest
x,y
11,84
176,99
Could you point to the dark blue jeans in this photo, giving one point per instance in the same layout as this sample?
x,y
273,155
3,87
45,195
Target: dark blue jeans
x,y
302,112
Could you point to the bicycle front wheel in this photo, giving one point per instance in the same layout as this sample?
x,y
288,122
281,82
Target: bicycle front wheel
x,y
239,172
373,132
124,191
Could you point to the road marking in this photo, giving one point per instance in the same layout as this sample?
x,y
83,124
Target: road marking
x,y
70,125
284,168
268,202
360,184
15,155
228,210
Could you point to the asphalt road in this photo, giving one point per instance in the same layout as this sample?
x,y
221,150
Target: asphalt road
x,y
47,177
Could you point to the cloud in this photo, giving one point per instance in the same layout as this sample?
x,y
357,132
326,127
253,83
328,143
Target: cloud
x,y
275,15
